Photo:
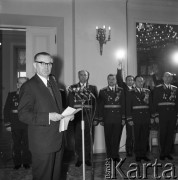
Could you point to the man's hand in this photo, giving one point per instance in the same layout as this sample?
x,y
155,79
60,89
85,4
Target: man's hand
x,y
55,116
102,123
71,117
123,122
119,65
95,123
131,123
157,120
152,120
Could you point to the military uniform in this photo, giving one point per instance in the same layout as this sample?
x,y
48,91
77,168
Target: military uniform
x,y
89,106
112,111
139,111
166,108
21,153
129,129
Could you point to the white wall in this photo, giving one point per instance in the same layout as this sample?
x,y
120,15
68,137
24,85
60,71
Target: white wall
x,y
88,15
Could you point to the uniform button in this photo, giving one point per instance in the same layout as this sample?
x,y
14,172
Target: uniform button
x,y
112,111
141,112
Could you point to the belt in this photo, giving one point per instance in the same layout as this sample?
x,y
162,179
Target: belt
x,y
15,111
112,106
166,104
140,107
80,106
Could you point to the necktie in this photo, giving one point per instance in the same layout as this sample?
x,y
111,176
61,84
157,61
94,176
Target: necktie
x,y
53,88
50,89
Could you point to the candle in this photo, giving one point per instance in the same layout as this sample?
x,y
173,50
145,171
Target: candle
x,y
96,31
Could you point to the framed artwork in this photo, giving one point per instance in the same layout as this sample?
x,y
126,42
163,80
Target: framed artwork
x,y
21,59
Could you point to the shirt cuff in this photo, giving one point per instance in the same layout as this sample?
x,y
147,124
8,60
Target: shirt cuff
x,y
49,119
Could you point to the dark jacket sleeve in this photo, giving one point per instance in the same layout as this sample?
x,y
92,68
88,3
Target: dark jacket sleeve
x,y
129,106
119,77
28,111
100,105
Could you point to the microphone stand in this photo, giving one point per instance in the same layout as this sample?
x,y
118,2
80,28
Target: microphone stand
x,y
82,100
91,146
83,138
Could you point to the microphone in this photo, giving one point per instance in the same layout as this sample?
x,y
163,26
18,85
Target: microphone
x,y
75,91
87,91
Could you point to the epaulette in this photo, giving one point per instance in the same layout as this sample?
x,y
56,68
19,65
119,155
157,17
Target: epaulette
x,y
146,89
174,87
159,85
60,89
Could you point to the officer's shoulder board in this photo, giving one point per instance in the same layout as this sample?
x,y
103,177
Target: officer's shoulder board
x,y
173,87
60,89
160,85
146,90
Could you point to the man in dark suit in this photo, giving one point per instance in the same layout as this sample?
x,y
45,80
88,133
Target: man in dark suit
x,y
127,86
139,103
165,101
21,153
41,107
112,111
89,93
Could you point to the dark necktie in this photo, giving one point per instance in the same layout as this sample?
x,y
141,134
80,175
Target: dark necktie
x,y
54,91
50,89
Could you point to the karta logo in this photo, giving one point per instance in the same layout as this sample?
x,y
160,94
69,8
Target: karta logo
x,y
114,169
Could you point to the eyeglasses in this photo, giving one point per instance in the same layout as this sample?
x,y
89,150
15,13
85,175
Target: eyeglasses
x,y
44,64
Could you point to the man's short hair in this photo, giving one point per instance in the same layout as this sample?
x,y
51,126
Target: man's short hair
x,y
138,76
42,53
129,76
84,71
110,75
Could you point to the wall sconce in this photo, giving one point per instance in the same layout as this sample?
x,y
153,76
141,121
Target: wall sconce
x,y
101,36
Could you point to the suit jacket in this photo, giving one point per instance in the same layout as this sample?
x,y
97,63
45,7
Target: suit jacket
x,y
35,104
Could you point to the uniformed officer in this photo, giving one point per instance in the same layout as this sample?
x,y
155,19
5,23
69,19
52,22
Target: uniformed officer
x,y
77,93
127,86
138,115
112,111
21,153
166,108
